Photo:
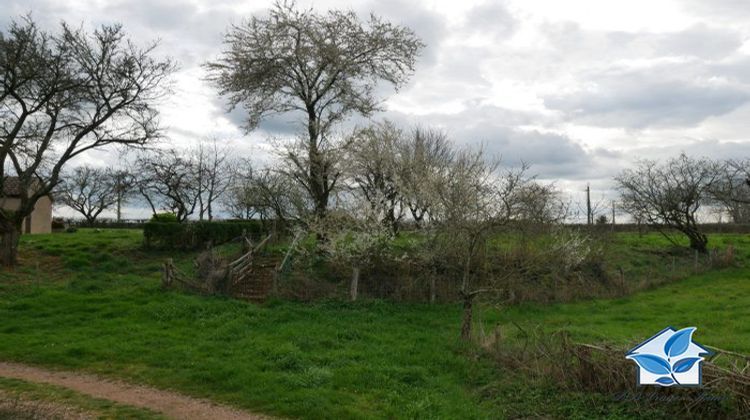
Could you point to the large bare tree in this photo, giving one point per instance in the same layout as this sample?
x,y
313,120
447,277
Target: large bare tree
x,y
62,94
668,196
325,66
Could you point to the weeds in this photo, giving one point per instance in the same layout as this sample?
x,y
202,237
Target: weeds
x,y
579,367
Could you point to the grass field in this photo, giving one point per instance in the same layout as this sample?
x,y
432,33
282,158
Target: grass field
x,y
91,301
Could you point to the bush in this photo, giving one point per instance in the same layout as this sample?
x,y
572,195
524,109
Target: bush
x,y
557,360
194,235
164,218
58,224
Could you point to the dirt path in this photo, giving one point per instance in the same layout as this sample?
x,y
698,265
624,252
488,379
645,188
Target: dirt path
x,y
168,403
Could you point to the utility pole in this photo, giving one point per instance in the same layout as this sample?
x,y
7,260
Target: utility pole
x,y
589,216
118,189
613,215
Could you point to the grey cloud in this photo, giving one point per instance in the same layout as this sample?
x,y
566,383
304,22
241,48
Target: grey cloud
x,y
718,9
550,155
710,148
431,27
642,98
189,34
698,40
494,129
571,42
491,18
185,32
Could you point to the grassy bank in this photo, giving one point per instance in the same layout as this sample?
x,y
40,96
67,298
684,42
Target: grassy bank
x,y
92,301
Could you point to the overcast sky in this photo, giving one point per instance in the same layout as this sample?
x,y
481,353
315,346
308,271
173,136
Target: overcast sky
x,y
578,88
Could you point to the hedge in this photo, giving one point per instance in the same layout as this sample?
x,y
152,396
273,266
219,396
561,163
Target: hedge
x,y
194,235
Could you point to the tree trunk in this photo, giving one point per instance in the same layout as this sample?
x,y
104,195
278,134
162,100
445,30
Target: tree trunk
x,y
353,287
433,288
317,176
119,207
468,316
698,242
11,232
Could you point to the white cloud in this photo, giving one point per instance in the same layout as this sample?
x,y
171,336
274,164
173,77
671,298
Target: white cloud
x,y
579,87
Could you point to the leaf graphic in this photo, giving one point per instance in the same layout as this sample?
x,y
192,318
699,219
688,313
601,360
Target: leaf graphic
x,y
684,365
665,380
651,363
679,342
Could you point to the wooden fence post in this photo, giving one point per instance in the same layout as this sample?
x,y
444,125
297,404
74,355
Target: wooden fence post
x,y
355,284
167,274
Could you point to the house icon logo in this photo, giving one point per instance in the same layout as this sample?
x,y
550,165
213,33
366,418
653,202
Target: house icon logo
x,y
669,358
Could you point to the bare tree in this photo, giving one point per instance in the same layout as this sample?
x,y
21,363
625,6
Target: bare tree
x,y
731,191
296,166
241,199
213,170
89,191
124,185
168,181
668,196
279,197
268,194
471,200
424,155
357,238
62,95
539,204
325,66
371,164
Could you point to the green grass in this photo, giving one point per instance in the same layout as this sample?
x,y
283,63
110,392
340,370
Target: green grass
x,y
100,309
26,391
717,303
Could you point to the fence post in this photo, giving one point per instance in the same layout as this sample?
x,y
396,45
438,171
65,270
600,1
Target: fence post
x,y
695,263
167,274
355,284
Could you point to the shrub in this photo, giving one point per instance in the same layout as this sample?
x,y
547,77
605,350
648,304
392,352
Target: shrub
x,y
165,217
58,224
559,361
197,234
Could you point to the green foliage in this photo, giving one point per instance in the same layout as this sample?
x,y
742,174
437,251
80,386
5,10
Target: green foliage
x,y
164,218
197,234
